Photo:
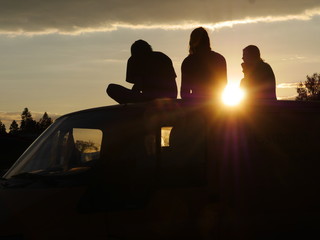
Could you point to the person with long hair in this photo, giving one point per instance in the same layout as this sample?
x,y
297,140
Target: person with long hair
x,y
151,73
204,71
259,80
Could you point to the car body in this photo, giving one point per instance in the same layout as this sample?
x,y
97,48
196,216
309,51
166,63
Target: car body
x,y
169,169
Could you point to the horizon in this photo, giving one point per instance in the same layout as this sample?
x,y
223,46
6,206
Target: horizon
x,y
62,61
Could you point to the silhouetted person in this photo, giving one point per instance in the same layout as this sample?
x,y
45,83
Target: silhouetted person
x,y
204,72
259,80
151,73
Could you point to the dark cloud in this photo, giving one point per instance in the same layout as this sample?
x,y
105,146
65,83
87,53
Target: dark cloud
x,y
79,15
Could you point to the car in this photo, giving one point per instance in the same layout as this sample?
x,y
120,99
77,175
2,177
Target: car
x,y
169,169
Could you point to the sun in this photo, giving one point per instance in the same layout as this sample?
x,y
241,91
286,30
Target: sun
x,y
232,95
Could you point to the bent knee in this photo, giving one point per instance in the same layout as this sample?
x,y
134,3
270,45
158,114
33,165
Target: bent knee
x,y
110,87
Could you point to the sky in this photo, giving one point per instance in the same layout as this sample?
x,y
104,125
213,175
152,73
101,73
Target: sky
x,y
59,56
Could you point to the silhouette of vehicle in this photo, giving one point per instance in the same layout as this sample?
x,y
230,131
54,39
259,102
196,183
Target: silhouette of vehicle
x,y
169,169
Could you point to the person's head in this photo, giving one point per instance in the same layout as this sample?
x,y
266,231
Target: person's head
x,y
251,54
199,41
140,48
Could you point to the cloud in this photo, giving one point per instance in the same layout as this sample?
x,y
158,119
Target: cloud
x,y
8,117
288,85
74,16
294,58
293,97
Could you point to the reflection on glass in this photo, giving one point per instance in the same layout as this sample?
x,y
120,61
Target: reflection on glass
x,y
165,136
88,143
64,149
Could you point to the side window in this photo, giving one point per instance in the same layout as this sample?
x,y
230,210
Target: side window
x,y
87,143
165,136
71,149
79,147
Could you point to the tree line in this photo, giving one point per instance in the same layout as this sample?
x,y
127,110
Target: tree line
x,y
309,90
19,137
28,126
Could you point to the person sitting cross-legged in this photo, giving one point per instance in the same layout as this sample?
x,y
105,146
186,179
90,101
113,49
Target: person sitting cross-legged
x,y
151,73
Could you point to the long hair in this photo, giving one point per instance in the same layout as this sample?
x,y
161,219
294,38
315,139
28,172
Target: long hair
x,y
199,41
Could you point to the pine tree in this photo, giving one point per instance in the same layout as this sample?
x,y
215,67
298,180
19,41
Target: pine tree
x,y
28,125
14,128
44,122
3,130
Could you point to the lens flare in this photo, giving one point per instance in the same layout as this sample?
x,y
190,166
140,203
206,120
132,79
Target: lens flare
x,y
232,95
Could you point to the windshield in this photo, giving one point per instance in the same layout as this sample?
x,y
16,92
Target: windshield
x,y
72,143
